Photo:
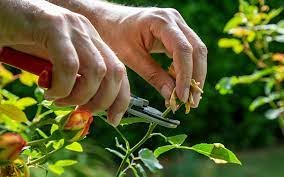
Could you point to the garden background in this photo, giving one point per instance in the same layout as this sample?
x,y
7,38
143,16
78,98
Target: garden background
x,y
225,119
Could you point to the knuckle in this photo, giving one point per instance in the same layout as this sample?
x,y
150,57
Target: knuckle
x,y
119,71
70,65
185,47
100,70
201,48
174,11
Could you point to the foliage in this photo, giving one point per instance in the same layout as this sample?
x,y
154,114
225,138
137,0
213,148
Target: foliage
x,y
254,35
53,129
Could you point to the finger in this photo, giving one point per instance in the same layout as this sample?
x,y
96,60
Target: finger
x,y
144,65
92,70
178,46
65,67
199,59
120,105
111,83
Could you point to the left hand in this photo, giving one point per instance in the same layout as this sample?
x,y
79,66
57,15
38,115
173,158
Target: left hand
x,y
134,33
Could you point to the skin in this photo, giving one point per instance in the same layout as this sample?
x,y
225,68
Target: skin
x,y
49,31
133,34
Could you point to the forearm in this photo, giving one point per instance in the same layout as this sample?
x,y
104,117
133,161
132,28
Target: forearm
x,y
97,11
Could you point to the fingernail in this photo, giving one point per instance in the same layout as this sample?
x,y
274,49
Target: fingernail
x,y
166,92
196,98
185,95
116,119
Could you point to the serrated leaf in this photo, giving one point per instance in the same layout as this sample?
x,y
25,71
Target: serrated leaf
x,y
75,146
163,149
149,160
56,169
132,120
177,139
216,152
115,152
25,102
13,112
65,163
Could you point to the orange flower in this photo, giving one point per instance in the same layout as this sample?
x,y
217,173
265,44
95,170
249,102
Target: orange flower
x,y
77,125
278,57
11,145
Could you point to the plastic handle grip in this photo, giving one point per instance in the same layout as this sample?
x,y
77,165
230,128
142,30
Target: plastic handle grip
x,y
32,64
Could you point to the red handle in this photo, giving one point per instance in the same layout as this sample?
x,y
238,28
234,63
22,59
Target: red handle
x,y
32,64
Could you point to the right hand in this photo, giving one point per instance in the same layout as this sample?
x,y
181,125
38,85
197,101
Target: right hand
x,y
74,47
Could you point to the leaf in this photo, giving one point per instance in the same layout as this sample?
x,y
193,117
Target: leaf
x,y
177,139
41,133
65,163
132,120
8,95
237,20
51,105
115,152
13,112
56,169
274,113
235,44
141,170
53,128
75,146
259,101
28,78
224,86
163,149
149,160
25,102
216,152
272,14
39,92
58,144
5,76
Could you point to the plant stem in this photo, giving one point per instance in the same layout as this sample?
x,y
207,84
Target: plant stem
x,y
35,142
151,128
43,157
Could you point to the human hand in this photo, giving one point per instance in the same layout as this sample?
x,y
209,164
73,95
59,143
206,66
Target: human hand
x,y
134,33
74,47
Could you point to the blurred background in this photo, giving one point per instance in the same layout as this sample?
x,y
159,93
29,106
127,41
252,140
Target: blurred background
x,y
226,119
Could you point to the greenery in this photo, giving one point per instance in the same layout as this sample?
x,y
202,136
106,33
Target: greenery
x,y
248,95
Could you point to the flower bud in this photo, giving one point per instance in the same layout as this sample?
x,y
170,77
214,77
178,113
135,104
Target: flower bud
x,y
77,125
11,145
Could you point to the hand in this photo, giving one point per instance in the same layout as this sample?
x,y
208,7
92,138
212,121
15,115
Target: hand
x,y
134,33
74,47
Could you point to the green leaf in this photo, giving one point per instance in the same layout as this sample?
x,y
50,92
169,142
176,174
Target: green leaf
x,y
272,14
39,94
149,160
41,133
216,152
8,95
115,152
13,112
58,144
163,149
177,139
75,146
235,44
65,163
53,128
132,120
224,86
56,169
274,113
141,170
259,101
51,105
25,102
237,20
27,78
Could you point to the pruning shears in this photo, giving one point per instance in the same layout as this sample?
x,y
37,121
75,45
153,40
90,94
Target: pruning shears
x,y
138,106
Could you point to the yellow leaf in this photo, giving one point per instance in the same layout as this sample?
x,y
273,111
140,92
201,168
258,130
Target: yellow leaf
x,y
13,112
5,76
25,102
28,78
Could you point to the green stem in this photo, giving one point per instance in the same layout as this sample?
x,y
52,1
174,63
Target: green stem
x,y
36,142
43,157
151,128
